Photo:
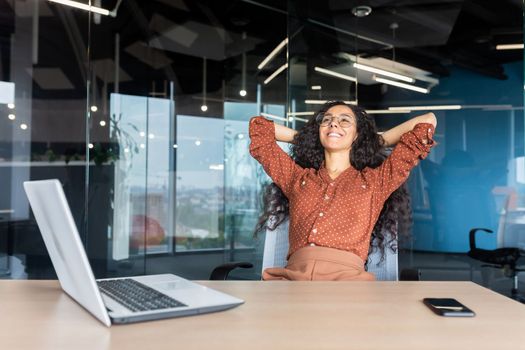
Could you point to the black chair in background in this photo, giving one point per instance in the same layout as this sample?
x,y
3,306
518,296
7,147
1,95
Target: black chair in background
x,y
500,258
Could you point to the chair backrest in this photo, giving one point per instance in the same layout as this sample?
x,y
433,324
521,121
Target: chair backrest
x,y
276,246
510,225
276,249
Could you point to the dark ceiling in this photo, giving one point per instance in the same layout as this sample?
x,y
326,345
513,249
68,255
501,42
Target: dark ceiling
x,y
166,39
431,35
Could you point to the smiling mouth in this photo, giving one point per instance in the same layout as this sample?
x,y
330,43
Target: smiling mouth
x,y
334,134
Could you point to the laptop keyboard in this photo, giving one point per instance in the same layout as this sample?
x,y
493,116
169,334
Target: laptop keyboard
x,y
137,296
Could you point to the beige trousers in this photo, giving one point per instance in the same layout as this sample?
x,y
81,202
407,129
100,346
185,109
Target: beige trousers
x,y
320,264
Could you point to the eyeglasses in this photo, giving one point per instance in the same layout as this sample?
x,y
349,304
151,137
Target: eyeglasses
x,y
344,120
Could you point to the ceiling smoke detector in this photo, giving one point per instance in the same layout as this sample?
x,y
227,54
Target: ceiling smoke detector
x,y
361,11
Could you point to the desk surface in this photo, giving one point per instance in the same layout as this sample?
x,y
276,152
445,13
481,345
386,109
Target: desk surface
x,y
276,315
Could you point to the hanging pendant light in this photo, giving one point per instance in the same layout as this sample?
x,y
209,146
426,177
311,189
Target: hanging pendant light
x,y
243,92
204,107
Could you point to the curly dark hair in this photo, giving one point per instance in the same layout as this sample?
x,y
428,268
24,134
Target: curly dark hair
x,y
368,150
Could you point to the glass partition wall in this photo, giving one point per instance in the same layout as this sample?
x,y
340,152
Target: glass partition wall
x,y
143,116
43,87
401,60
174,86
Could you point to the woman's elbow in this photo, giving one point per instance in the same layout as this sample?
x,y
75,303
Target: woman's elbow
x,y
430,118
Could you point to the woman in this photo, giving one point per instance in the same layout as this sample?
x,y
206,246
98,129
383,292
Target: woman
x,y
336,189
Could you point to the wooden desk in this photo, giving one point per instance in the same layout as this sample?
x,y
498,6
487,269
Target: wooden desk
x,y
277,315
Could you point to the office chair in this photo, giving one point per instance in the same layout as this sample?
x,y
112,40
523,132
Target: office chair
x,y
276,248
501,258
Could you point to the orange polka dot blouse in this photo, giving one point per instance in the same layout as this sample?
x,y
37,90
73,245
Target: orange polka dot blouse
x,y
338,213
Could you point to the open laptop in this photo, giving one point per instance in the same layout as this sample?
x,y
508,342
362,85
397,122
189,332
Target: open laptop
x,y
115,300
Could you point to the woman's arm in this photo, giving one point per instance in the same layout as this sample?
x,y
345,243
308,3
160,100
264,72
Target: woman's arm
x,y
264,148
284,134
413,146
393,135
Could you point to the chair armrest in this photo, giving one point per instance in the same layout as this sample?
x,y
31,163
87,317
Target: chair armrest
x,y
472,237
409,275
221,272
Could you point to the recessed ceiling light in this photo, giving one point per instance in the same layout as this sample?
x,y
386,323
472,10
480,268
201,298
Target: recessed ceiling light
x,y
509,47
272,54
322,102
276,73
361,11
85,7
384,72
402,85
425,108
301,113
387,111
335,74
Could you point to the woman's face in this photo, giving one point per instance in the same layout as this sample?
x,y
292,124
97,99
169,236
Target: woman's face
x,y
338,129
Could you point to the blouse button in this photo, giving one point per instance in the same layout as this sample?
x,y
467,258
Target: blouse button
x,y
331,183
303,183
326,197
312,244
364,186
314,230
321,214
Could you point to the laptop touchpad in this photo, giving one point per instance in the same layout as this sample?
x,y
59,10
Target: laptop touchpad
x,y
173,285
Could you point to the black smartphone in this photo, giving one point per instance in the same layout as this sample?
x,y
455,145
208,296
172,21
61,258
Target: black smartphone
x,y
448,307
